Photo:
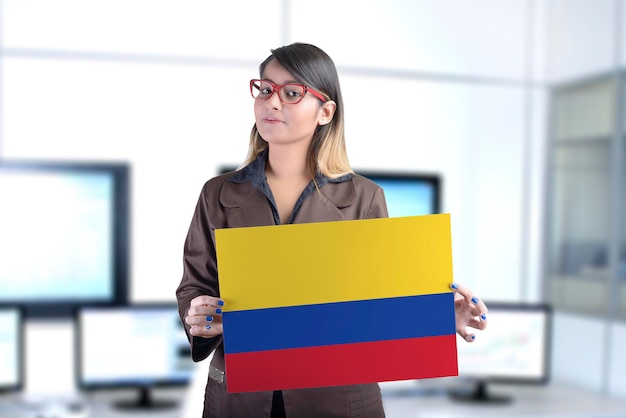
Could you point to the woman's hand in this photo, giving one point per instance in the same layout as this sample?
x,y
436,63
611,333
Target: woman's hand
x,y
469,312
205,316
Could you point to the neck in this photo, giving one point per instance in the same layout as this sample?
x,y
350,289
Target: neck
x,y
288,163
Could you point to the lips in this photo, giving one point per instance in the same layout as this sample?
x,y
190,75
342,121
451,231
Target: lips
x,y
272,120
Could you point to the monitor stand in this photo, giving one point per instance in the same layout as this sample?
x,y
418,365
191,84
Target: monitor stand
x,y
479,393
145,401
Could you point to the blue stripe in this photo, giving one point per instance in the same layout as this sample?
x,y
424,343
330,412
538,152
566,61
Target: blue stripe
x,y
339,323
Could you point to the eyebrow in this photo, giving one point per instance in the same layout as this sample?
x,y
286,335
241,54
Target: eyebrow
x,y
287,82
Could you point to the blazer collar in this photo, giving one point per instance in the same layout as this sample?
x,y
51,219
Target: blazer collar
x,y
340,191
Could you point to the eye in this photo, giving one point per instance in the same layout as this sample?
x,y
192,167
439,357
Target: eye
x,y
293,91
265,89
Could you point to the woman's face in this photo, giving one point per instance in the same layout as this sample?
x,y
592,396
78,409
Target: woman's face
x,y
283,123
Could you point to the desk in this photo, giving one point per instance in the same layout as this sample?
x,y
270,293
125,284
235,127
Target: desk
x,y
527,401
99,404
401,401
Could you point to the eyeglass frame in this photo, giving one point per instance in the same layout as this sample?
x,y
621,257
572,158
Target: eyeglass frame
x,y
276,89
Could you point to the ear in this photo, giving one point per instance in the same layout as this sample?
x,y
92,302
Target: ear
x,y
326,112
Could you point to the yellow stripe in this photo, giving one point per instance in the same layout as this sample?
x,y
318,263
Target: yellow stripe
x,y
299,264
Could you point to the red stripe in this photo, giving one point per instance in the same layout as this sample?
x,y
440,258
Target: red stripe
x,y
342,364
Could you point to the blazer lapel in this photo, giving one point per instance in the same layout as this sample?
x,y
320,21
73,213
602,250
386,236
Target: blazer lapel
x,y
248,206
245,205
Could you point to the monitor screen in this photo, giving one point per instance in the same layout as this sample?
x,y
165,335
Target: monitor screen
x,y
136,346
63,235
514,348
408,194
11,349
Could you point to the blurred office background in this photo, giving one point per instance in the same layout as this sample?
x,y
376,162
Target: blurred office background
x,y
518,105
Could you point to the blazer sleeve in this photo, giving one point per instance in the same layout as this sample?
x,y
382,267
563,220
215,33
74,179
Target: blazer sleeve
x,y
378,205
199,272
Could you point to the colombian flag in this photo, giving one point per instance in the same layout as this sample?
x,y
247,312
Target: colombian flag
x,y
337,303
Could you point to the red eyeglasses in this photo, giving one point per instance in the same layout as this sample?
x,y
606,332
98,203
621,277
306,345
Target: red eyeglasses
x,y
291,93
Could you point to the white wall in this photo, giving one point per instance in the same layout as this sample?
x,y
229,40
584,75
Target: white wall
x,y
581,38
163,85
176,107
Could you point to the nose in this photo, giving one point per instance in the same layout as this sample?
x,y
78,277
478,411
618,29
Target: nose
x,y
274,100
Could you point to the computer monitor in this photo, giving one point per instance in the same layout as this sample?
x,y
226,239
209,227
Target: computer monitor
x,y
406,193
141,347
64,235
514,348
11,349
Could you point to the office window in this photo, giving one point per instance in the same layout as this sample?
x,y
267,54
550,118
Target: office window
x,y
581,217
621,257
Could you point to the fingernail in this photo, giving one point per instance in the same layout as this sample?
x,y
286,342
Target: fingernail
x,y
483,316
209,318
473,337
475,299
208,327
220,302
454,286
218,310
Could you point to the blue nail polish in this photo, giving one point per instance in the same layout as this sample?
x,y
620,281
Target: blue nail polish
x,y
209,318
454,286
483,317
220,302
473,337
218,311
208,327
475,299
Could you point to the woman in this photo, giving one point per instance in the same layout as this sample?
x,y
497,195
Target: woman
x,y
296,171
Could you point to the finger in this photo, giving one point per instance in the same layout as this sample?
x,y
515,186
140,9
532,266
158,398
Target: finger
x,y
464,293
214,306
481,322
467,336
478,308
480,305
208,331
479,318
210,325
476,323
462,290
467,294
204,310
206,300
202,319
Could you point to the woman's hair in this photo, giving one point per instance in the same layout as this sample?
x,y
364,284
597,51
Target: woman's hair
x,y
311,66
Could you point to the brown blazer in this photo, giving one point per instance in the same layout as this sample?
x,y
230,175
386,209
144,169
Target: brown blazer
x,y
225,204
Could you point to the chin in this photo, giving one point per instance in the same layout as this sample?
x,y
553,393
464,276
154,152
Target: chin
x,y
269,138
